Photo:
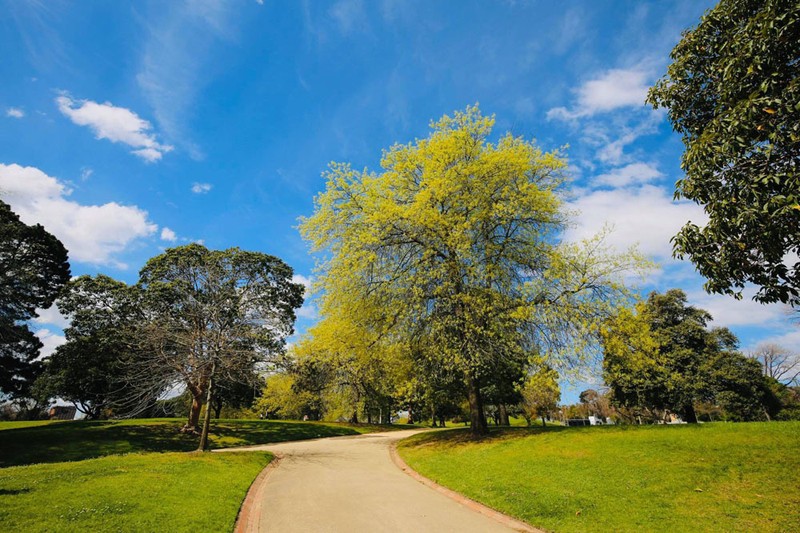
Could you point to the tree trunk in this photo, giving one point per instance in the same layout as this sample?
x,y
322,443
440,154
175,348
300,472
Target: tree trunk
x,y
690,414
544,422
410,415
218,403
203,446
354,417
193,422
476,415
503,415
433,415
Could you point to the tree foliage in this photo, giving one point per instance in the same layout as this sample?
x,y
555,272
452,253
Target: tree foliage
x,y
451,252
733,92
663,357
33,268
90,369
541,394
212,315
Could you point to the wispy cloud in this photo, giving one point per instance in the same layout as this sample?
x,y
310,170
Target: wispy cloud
x,y
93,234
201,188
349,15
15,112
180,42
117,124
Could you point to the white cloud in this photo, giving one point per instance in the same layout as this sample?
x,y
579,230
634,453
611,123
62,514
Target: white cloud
x,y
51,316
50,341
308,311
646,216
614,89
635,173
201,188
729,312
92,233
117,124
168,235
303,280
789,339
15,112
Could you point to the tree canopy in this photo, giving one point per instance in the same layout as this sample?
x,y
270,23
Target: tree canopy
x,y
212,315
733,92
90,368
663,357
451,253
33,268
198,318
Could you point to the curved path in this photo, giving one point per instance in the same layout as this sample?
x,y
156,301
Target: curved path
x,y
350,484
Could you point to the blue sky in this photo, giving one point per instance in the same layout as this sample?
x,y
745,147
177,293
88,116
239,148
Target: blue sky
x,y
126,128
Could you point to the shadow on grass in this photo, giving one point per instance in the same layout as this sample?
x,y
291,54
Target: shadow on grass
x,y
13,492
459,436
79,440
249,432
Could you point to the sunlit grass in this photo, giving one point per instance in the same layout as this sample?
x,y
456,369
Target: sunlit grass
x,y
710,477
172,492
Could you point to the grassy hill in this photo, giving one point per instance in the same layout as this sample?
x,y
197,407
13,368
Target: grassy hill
x,y
134,475
709,477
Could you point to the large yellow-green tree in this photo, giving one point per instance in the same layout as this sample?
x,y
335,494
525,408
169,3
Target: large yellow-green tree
x,y
452,250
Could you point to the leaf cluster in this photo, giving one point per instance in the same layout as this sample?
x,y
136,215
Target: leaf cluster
x,y
733,92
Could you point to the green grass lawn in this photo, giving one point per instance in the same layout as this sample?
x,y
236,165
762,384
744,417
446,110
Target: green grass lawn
x,y
77,440
172,492
708,477
130,475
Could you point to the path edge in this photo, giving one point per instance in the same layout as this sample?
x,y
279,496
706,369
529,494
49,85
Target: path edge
x,y
494,514
249,516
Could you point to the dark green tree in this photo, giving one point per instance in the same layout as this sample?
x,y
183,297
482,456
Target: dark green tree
x,y
736,385
733,92
238,394
91,368
665,357
212,316
33,268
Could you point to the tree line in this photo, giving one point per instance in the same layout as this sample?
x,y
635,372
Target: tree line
x,y
444,285
202,321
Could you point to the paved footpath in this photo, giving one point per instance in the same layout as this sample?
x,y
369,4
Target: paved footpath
x,y
350,484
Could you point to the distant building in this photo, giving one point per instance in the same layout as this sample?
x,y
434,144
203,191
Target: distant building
x,y
62,412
